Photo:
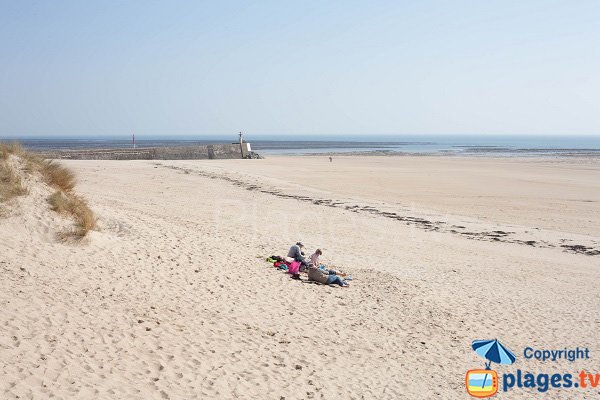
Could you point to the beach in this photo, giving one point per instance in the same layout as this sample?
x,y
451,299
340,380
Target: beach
x,y
171,296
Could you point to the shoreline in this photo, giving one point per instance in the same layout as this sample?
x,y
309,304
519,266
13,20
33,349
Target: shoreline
x,y
191,153
393,153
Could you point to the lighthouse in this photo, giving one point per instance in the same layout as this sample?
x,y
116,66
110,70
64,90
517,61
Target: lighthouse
x,y
244,146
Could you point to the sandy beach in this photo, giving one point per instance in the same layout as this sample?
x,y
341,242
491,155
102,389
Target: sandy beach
x,y
171,298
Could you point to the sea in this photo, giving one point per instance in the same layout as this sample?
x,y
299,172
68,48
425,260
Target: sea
x,y
460,145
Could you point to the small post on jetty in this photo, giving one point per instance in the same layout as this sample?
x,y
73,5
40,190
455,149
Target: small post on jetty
x,y
133,140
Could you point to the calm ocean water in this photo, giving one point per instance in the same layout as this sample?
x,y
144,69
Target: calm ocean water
x,y
453,145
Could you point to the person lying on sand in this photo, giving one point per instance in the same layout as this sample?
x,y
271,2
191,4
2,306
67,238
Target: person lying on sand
x,y
325,276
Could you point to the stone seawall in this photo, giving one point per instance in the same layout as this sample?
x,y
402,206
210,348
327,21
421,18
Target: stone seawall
x,y
208,152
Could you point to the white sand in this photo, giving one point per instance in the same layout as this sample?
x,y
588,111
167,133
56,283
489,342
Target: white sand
x,y
172,298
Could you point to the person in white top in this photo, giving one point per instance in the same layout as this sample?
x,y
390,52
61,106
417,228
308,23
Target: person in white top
x,y
314,258
316,262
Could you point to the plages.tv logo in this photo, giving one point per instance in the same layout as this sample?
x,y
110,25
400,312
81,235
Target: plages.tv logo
x,y
483,383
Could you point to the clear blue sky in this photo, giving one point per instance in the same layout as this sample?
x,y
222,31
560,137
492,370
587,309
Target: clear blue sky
x,y
299,67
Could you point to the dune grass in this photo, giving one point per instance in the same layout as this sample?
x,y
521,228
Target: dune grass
x,y
57,176
10,183
64,200
7,149
77,208
54,174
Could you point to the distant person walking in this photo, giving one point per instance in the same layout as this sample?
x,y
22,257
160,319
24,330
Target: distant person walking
x,y
330,159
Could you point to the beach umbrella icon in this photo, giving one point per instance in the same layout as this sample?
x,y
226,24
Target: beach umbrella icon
x,y
493,351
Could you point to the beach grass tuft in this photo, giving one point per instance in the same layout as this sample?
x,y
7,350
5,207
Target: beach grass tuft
x,y
7,149
57,175
77,208
54,174
64,201
10,183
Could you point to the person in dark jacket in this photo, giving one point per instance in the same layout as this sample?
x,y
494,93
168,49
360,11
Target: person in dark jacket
x,y
298,255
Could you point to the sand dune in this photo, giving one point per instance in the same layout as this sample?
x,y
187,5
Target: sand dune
x,y
171,298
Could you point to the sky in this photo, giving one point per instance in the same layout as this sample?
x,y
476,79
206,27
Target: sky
x,y
161,68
